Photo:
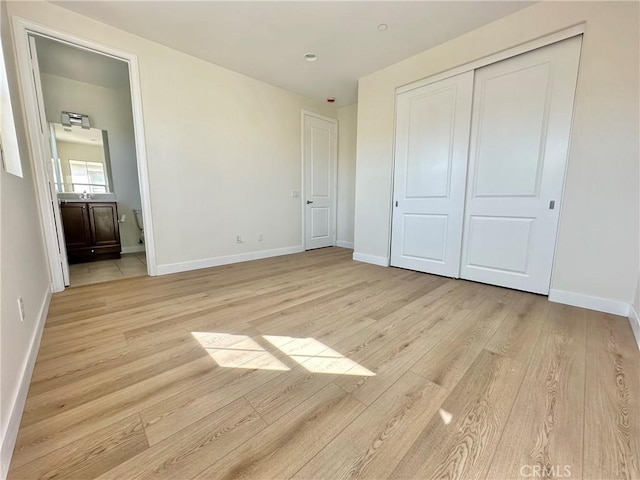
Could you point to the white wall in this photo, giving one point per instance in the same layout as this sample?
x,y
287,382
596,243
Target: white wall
x,y
347,126
597,251
223,149
109,110
23,272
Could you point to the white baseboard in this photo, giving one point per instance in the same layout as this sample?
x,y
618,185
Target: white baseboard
x,y
226,260
13,425
373,259
344,244
606,305
133,249
634,320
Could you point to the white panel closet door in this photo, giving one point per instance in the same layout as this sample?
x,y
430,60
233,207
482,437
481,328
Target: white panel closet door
x,y
522,109
432,138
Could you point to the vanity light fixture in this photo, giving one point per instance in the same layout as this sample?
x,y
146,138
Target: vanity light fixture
x,y
68,119
310,57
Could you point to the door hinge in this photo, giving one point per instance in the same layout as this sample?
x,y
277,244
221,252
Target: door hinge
x,y
396,203
552,204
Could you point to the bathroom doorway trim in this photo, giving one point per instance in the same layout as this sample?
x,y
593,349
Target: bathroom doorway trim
x,y
22,28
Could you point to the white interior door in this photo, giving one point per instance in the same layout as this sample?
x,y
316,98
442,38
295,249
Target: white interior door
x,y
45,145
522,109
320,165
432,139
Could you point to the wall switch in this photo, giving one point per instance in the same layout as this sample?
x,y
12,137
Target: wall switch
x,y
295,193
123,218
21,309
260,237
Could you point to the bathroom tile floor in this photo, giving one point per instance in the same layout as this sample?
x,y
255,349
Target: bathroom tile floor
x,y
129,265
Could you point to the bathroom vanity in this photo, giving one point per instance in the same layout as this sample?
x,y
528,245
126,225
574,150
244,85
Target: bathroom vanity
x,y
84,187
91,230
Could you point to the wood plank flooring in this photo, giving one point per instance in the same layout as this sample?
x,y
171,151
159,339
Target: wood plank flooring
x,y
314,366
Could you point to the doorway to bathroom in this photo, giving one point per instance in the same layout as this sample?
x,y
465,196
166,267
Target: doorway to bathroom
x,y
93,171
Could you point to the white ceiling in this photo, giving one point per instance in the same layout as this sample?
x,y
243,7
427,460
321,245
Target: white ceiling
x,y
267,40
62,60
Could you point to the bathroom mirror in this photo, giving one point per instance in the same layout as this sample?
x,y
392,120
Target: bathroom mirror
x,y
81,161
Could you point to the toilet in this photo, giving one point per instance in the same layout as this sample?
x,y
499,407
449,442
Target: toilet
x,y
140,224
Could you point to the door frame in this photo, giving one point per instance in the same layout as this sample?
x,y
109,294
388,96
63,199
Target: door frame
x,y
569,32
334,183
22,28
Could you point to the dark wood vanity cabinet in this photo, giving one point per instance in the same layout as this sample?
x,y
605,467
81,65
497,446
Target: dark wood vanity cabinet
x,y
91,230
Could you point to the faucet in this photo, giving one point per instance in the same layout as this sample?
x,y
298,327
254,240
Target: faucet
x,y
84,196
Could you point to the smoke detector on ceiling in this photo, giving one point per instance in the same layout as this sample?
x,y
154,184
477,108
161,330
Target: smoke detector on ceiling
x,y
310,57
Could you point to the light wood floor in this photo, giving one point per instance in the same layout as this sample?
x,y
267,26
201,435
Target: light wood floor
x,y
314,366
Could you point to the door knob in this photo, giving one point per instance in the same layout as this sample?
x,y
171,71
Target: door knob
x,y
309,201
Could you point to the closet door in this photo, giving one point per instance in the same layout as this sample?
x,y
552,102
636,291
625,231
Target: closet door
x,y
522,110
432,138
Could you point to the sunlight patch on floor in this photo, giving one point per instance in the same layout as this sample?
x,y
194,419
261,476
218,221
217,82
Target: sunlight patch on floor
x,y
241,351
237,351
317,357
446,416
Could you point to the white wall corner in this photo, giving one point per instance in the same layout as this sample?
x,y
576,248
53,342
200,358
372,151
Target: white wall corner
x,y
13,425
606,305
226,260
373,259
344,244
634,320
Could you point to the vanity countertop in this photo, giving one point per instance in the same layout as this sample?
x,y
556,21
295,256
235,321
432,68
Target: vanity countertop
x,y
95,198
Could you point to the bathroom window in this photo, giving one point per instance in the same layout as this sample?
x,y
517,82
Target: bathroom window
x,y
88,176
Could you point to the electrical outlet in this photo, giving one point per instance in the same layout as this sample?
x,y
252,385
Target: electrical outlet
x,y
295,193
21,309
260,237
238,238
